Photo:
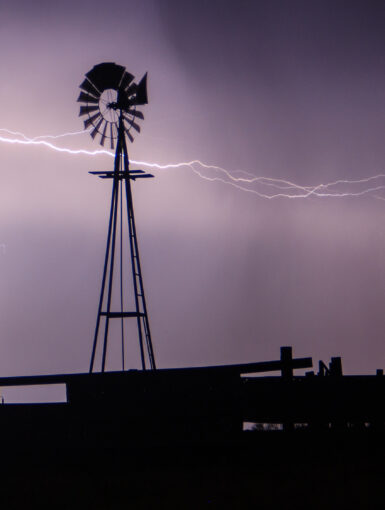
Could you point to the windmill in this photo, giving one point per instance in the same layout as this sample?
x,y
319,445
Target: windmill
x,y
109,99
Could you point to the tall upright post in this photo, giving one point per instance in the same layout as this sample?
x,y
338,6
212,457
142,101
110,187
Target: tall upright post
x,y
122,173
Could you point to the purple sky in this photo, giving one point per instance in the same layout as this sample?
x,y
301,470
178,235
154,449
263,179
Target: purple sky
x,y
287,90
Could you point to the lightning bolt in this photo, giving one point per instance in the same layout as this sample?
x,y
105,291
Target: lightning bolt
x,y
287,189
41,137
36,141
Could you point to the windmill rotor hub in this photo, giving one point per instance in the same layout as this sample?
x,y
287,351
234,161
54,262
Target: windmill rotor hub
x,y
107,101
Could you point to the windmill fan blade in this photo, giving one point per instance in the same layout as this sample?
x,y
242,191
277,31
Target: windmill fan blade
x,y
88,87
131,89
136,113
102,140
129,135
96,128
87,109
90,121
106,76
126,80
122,100
141,92
135,126
112,136
86,98
132,123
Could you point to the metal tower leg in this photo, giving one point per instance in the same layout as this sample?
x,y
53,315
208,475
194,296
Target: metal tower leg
x,y
111,275
106,259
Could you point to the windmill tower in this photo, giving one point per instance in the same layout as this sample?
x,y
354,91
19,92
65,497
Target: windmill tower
x,y
109,98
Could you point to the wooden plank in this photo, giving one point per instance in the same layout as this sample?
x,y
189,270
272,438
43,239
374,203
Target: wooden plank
x,y
246,368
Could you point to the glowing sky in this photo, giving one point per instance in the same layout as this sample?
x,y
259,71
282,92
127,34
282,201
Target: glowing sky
x,y
285,90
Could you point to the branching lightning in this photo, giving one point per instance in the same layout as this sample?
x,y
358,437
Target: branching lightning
x,y
248,183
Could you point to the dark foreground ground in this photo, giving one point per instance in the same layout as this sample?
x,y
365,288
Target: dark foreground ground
x,y
266,469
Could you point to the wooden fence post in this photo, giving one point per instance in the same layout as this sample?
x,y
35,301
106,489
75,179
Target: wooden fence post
x,y
287,366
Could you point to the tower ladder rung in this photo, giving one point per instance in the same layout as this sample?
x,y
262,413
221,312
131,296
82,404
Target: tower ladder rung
x,y
113,315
